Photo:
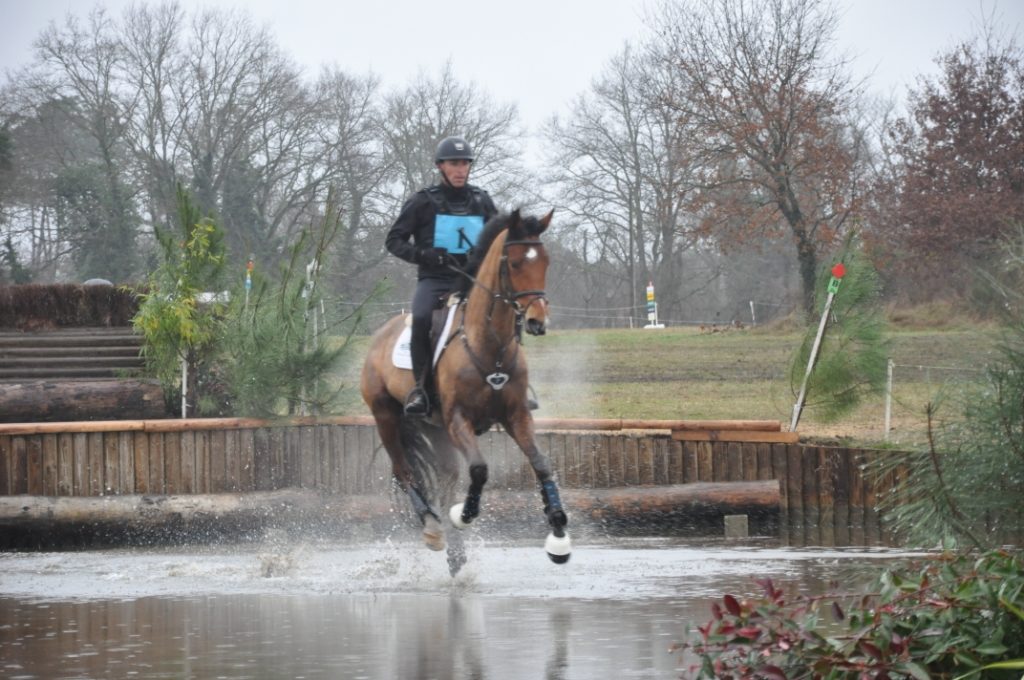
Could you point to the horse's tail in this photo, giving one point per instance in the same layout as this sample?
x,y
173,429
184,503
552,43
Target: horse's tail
x,y
431,457
418,452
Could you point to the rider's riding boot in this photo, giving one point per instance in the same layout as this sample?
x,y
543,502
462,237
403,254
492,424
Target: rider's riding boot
x,y
417,403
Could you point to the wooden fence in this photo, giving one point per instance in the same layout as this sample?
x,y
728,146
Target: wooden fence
x,y
826,499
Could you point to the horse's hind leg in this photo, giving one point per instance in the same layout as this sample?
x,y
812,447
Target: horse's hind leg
x,y
447,461
388,417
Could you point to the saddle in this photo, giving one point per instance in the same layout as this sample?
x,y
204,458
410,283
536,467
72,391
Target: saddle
x,y
440,327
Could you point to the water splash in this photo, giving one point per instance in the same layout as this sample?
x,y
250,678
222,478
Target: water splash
x,y
626,570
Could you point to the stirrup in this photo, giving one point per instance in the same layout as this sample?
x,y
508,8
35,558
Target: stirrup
x,y
417,404
531,399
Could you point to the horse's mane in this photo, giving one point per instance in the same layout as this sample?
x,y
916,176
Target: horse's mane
x,y
527,226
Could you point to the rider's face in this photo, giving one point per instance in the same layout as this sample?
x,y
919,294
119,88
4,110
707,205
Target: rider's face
x,y
456,172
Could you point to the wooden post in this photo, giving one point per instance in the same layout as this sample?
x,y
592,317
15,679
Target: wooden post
x,y
65,464
826,500
795,493
812,511
780,471
841,495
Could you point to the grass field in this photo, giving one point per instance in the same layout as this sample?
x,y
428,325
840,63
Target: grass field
x,y
736,374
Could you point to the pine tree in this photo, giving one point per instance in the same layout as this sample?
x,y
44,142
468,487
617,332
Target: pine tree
x,y
964,487
852,357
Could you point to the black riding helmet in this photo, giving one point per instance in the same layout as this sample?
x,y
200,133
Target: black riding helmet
x,y
453,149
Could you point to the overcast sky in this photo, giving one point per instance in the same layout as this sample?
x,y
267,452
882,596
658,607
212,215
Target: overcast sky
x,y
536,53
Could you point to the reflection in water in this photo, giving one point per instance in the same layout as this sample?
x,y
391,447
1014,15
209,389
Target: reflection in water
x,y
392,636
343,613
558,663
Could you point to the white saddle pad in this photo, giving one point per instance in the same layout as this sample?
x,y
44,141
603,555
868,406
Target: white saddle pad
x,y
401,355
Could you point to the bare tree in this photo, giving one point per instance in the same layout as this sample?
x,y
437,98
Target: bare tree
x,y
244,124
350,127
95,197
623,172
419,115
768,102
151,39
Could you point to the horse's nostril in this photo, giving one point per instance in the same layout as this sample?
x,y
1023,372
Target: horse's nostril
x,y
535,327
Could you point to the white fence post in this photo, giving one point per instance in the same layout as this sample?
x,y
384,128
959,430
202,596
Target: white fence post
x,y
184,387
888,399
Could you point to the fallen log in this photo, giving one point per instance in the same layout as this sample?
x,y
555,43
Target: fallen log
x,y
51,521
678,509
71,400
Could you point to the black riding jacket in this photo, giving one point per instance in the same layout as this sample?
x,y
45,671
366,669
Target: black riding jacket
x,y
427,215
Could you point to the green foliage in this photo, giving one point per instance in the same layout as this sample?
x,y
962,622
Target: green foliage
x,y
173,321
263,353
966,484
98,216
852,358
272,359
953,617
6,149
11,268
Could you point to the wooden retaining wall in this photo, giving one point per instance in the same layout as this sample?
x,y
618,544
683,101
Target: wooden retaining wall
x,y
826,500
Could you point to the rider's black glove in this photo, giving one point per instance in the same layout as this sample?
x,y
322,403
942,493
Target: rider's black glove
x,y
432,257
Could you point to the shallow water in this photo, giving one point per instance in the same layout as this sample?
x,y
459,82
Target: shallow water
x,y
387,610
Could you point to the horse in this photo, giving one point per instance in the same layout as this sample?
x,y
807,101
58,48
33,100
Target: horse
x,y
480,380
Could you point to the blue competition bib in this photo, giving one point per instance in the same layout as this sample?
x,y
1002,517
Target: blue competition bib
x,y
457,233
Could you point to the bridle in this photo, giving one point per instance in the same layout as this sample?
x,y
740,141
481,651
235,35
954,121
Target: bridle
x,y
511,296
499,376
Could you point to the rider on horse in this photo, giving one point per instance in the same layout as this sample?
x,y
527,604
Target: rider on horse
x,y
443,221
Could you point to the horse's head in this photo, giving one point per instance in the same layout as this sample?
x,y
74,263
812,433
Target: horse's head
x,y
525,268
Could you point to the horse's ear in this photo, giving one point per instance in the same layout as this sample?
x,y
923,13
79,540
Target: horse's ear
x,y
514,219
545,221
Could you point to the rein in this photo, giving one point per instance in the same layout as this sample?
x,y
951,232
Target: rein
x,y
498,378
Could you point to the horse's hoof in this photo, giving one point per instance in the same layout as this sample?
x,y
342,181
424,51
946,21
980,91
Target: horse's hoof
x,y
558,548
433,533
455,515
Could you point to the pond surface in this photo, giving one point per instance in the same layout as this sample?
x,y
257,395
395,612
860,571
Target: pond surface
x,y
387,610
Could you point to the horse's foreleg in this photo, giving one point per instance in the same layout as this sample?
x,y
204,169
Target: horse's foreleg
x,y
464,438
557,544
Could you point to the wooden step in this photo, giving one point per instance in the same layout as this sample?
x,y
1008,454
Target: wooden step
x,y
73,360
70,353
70,339
13,374
111,351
